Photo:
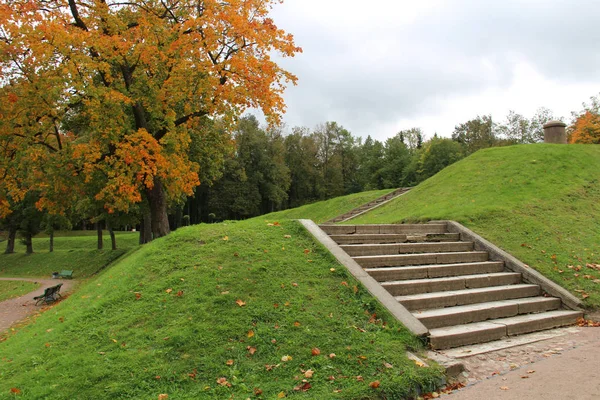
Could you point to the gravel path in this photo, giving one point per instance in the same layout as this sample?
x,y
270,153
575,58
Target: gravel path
x,y
19,308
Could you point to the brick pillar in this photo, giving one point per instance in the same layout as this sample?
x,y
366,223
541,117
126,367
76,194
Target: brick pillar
x,y
555,132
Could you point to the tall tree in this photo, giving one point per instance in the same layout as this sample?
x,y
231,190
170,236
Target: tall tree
x,y
519,129
475,134
139,75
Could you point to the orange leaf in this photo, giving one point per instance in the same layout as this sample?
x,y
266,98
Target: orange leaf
x,y
180,293
163,396
315,351
374,384
303,387
229,362
240,302
169,290
251,350
15,390
250,334
309,373
296,324
138,295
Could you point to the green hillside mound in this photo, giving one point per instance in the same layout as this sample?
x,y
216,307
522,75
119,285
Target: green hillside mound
x,y
328,209
539,202
234,310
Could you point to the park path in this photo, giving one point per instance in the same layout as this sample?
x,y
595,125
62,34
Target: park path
x,y
565,367
19,308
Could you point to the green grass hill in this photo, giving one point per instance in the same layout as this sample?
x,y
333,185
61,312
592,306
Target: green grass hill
x,y
251,309
539,202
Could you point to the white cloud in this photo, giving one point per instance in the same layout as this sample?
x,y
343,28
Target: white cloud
x,y
380,66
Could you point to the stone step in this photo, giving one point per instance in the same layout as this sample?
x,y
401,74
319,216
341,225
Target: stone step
x,y
390,228
416,286
405,248
479,332
460,315
381,238
452,298
421,259
434,271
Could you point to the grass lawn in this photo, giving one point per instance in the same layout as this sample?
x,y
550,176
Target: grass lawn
x,y
12,289
76,253
229,310
325,210
539,202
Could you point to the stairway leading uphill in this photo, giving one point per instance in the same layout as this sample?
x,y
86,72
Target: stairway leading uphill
x,y
455,291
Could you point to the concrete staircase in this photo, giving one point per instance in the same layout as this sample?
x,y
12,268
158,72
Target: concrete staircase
x,y
369,206
459,295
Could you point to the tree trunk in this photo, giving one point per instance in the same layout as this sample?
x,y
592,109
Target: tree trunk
x,y
10,245
51,241
113,239
99,231
158,210
145,229
29,242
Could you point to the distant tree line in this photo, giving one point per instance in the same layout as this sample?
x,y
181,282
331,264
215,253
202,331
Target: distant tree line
x,y
258,170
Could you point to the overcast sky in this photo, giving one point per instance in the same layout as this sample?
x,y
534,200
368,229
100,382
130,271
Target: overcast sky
x,y
380,66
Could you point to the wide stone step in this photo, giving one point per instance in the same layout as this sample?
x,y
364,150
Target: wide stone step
x,y
480,332
470,313
389,228
434,271
421,259
381,238
452,298
415,286
405,248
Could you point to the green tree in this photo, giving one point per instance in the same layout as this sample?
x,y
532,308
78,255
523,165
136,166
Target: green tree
x,y
475,134
436,155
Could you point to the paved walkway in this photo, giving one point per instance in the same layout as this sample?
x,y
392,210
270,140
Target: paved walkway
x,y
19,308
564,367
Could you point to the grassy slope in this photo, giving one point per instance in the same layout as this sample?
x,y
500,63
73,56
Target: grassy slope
x,y
539,202
11,289
328,209
178,336
70,253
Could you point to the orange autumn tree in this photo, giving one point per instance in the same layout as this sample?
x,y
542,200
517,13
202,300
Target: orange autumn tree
x,y
585,128
108,94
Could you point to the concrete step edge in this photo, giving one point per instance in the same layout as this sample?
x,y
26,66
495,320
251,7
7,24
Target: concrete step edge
x,y
479,332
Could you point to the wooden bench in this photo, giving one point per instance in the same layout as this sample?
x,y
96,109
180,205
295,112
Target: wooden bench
x,y
65,274
50,295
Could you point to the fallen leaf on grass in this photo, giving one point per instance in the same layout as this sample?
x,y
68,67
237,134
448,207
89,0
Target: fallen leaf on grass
x,y
251,350
229,362
223,382
297,324
169,290
281,395
387,365
163,396
303,387
15,390
332,355
315,351
179,293
286,358
344,283
287,236
240,302
309,373
226,238
359,378
138,295
250,334
374,384
257,391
